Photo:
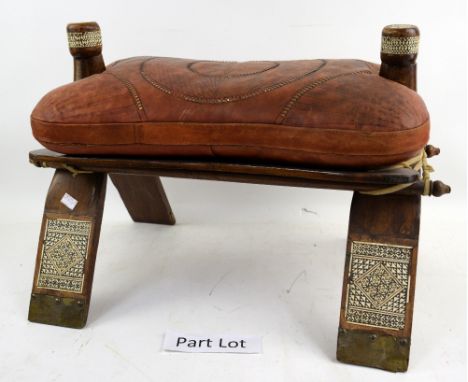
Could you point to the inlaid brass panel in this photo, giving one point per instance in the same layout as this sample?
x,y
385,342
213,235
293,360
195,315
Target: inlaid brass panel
x,y
64,252
378,285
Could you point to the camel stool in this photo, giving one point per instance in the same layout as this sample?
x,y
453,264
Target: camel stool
x,y
332,124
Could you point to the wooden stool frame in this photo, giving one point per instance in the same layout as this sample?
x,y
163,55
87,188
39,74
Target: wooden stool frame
x,y
382,247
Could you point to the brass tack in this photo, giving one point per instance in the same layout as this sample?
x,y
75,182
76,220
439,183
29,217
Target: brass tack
x,y
80,302
403,341
33,295
373,337
57,300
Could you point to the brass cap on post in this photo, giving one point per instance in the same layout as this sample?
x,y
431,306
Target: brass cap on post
x,y
400,44
84,39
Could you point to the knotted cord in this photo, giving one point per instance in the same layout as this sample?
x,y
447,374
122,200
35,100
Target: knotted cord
x,y
417,163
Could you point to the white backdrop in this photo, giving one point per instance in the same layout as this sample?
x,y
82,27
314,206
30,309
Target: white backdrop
x,y
35,59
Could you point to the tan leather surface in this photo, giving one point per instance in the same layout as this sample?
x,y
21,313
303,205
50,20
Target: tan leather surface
x,y
332,113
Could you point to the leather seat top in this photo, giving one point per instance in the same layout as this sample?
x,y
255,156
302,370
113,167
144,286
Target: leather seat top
x,y
333,113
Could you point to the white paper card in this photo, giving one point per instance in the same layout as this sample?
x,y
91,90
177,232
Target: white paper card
x,y
69,201
174,341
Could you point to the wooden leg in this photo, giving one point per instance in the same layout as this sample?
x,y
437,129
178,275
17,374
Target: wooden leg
x,y
144,198
379,281
67,249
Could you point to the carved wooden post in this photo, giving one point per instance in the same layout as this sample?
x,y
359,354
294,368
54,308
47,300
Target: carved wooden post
x,y
143,196
398,52
85,44
380,269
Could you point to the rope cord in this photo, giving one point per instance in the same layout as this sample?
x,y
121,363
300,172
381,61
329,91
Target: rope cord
x,y
417,163
74,171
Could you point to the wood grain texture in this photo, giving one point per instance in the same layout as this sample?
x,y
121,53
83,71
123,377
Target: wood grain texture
x,y
392,221
89,190
233,172
144,198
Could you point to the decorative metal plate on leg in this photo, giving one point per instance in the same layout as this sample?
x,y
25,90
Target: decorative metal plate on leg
x,y
378,285
63,256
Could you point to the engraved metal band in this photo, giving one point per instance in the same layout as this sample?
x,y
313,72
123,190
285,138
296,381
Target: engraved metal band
x,y
400,26
400,45
89,39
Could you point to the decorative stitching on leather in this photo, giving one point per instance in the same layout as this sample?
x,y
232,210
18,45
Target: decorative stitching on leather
x,y
273,65
115,63
311,86
154,83
131,88
233,98
368,64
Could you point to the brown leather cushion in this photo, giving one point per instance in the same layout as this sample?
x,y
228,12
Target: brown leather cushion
x,y
332,113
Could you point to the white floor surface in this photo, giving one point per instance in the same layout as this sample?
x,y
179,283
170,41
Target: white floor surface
x,y
241,264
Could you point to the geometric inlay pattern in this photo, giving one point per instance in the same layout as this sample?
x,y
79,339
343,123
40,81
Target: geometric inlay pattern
x,y
400,45
89,39
378,285
64,253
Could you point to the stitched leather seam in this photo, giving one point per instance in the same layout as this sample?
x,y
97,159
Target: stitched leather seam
x,y
367,63
118,62
133,92
154,83
273,65
326,129
262,147
227,99
310,86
